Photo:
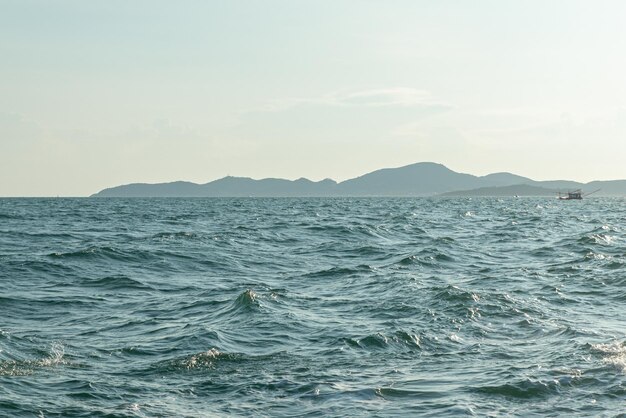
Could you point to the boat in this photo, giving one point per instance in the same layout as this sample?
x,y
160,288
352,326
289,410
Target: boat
x,y
574,195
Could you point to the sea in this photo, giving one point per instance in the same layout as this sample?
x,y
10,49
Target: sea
x,y
312,307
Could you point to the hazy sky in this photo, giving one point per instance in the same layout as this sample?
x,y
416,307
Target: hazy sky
x,y
95,94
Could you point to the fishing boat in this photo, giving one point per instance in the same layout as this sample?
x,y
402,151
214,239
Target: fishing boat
x,y
574,195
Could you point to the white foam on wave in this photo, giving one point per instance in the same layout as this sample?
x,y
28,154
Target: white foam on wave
x,y
597,256
203,359
614,354
604,239
57,352
26,367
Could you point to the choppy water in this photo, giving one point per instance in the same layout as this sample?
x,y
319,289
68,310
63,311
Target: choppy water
x,y
312,307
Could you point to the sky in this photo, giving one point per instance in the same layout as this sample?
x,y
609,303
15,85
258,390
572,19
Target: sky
x,y
95,94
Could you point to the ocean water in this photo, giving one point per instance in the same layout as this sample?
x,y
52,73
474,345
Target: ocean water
x,y
312,307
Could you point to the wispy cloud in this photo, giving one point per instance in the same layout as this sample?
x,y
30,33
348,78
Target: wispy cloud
x,y
400,96
386,97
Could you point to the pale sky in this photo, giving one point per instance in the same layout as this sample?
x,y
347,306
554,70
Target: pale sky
x,y
95,94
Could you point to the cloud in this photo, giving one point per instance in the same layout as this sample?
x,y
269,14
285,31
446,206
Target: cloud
x,y
386,97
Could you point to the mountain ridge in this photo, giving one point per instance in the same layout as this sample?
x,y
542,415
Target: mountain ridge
x,y
417,179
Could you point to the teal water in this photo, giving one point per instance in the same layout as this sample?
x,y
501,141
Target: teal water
x,y
312,307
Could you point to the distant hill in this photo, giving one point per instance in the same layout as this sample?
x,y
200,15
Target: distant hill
x,y
608,188
504,179
225,187
419,179
501,191
415,179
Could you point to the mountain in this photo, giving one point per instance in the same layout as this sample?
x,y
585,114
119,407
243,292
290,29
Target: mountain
x,y
419,179
225,187
174,189
562,185
608,187
514,190
414,179
504,179
244,186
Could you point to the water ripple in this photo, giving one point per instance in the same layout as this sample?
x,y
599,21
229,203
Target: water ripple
x,y
312,307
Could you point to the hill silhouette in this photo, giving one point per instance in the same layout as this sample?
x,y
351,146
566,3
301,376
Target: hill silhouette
x,y
419,179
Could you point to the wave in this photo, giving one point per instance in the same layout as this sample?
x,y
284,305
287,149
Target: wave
x,y
525,389
183,235
92,252
425,258
204,360
247,299
390,393
337,272
453,293
602,239
106,253
118,282
399,340
613,354
315,307
55,357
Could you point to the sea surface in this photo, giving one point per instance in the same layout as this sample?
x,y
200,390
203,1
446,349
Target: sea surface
x,y
312,307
